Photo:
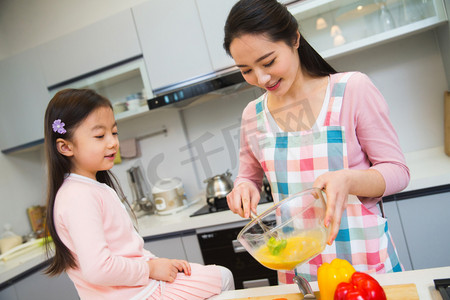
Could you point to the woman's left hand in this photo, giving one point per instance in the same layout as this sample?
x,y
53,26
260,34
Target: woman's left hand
x,y
337,186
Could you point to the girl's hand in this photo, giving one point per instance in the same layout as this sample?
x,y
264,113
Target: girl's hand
x,y
167,269
337,186
243,198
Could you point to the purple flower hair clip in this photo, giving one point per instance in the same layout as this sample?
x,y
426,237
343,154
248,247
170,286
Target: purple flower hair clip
x,y
58,126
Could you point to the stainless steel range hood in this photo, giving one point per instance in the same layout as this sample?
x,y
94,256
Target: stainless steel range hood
x,y
212,85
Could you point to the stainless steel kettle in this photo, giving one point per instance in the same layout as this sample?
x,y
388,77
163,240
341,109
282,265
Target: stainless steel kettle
x,y
218,186
142,202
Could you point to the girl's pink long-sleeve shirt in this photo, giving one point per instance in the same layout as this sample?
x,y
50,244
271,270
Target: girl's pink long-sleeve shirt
x,y
371,139
94,224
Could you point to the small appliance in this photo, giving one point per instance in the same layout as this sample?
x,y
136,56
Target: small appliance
x,y
216,83
169,196
142,203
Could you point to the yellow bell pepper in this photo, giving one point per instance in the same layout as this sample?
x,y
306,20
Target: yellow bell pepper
x,y
329,275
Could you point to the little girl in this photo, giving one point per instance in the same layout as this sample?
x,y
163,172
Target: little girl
x,y
95,241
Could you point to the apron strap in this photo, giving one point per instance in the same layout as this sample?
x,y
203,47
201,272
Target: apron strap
x,y
335,104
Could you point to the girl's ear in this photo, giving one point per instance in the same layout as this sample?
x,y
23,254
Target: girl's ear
x,y
64,147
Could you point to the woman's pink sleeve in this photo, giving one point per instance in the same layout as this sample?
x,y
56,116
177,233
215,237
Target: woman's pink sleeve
x,y
250,169
377,135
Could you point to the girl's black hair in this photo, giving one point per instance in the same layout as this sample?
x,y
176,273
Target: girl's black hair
x,y
71,106
272,19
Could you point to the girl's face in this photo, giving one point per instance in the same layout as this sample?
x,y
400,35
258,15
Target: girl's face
x,y
95,143
273,66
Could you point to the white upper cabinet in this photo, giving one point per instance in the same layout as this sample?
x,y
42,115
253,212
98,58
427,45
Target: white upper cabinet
x,y
341,27
23,100
213,15
172,41
99,45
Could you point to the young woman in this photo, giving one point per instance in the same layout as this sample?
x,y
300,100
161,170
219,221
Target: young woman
x,y
314,127
95,241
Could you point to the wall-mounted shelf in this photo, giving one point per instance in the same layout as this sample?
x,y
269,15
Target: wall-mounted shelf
x,y
335,28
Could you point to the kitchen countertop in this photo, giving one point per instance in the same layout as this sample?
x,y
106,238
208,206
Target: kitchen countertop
x,y
21,264
156,225
423,279
428,168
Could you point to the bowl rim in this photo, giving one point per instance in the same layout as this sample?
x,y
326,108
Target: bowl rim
x,y
275,206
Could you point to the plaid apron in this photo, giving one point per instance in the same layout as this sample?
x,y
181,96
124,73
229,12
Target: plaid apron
x,y
293,160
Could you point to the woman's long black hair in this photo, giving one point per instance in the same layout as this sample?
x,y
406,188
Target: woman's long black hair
x,y
71,106
271,18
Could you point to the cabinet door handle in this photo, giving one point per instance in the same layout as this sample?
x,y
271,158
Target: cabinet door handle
x,y
237,246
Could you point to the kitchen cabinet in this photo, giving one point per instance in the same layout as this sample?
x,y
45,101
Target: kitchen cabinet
x,y
23,100
335,28
181,246
426,227
172,41
91,48
213,15
125,85
40,286
192,248
396,230
8,294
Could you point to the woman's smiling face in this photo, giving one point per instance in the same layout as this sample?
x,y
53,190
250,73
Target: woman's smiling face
x,y
273,66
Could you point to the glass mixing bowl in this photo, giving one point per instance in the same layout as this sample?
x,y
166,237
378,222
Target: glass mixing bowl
x,y
289,233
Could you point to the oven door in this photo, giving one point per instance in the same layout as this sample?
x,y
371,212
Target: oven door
x,y
220,247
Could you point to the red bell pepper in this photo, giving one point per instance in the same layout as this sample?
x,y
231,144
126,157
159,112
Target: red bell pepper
x,y
361,287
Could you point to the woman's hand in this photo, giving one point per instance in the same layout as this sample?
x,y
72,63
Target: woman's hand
x,y
243,198
167,269
337,186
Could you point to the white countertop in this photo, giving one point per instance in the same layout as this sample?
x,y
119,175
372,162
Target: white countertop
x,y
156,225
423,279
428,168
21,264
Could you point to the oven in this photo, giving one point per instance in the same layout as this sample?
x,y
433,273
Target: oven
x,y
219,246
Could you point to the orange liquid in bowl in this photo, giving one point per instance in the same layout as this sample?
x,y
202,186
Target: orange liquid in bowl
x,y
298,250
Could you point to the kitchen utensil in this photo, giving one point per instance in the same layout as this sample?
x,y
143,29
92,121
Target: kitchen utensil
x,y
443,286
276,243
386,20
22,249
304,287
393,292
263,226
36,215
169,196
119,107
9,239
298,219
447,122
218,187
142,203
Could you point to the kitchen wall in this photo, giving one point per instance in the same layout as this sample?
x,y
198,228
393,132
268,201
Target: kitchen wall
x,y
411,76
22,178
409,73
